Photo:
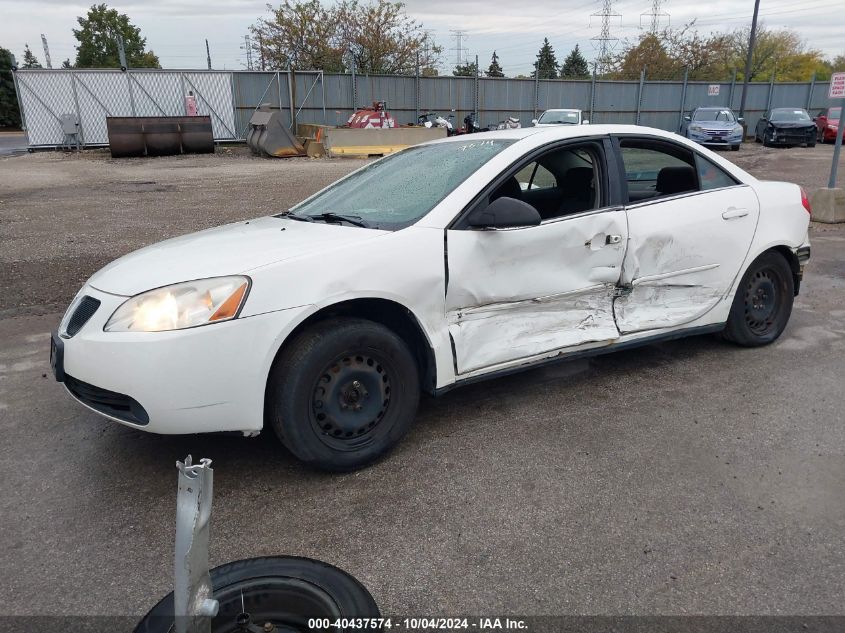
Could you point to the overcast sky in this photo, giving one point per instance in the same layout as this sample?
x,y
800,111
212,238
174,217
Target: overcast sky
x,y
176,29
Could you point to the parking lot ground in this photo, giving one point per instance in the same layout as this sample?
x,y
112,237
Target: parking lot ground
x,y
689,477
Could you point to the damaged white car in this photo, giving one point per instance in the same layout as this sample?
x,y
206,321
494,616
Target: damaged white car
x,y
443,264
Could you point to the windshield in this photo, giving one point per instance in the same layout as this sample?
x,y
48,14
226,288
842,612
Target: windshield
x,y
398,190
559,117
714,115
789,115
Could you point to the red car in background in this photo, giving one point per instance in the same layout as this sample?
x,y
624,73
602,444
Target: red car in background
x,y
827,124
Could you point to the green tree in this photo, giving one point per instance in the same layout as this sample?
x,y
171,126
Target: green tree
x,y
546,65
465,70
66,64
494,70
29,59
10,116
575,66
377,35
97,35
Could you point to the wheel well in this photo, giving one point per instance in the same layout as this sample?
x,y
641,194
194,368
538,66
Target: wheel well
x,y
792,259
391,315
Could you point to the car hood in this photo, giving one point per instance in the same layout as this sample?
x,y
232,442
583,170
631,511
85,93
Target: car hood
x,y
715,125
792,124
226,250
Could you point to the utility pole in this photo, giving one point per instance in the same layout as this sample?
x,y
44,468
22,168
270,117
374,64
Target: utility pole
x,y
46,51
751,39
605,41
247,47
207,54
121,51
459,49
655,15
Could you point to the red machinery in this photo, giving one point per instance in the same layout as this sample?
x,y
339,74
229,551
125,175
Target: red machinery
x,y
372,117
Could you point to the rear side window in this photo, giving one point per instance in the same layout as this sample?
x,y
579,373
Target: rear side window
x,y
712,176
656,170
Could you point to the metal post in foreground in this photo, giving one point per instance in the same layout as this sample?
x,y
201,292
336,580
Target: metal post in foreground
x,y
192,592
837,150
751,39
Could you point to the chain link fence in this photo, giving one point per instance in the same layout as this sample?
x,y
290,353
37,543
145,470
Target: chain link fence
x,y
230,98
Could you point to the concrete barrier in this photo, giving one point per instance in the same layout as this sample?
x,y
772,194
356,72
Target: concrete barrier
x,y
375,142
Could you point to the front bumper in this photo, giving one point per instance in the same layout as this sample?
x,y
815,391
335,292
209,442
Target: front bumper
x,y
711,140
203,379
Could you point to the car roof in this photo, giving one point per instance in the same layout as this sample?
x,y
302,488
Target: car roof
x,y
790,109
553,133
715,108
562,110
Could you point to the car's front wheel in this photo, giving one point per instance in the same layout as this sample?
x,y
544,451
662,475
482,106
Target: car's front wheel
x,y
343,393
763,302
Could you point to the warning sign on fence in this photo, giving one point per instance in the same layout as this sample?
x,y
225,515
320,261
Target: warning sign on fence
x,y
837,86
713,90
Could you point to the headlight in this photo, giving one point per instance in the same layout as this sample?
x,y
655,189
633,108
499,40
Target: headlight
x,y
182,305
737,129
695,128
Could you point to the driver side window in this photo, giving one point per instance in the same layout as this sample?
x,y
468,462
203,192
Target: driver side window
x,y
561,182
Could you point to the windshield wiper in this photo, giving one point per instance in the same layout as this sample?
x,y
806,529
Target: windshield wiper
x,y
354,220
294,216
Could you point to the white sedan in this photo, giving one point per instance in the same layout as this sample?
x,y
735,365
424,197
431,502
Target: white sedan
x,y
449,262
561,116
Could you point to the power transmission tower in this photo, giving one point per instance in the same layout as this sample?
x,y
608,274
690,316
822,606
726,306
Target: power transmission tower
x,y
459,49
656,14
46,51
604,40
247,47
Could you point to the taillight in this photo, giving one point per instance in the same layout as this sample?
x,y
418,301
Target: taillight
x,y
805,200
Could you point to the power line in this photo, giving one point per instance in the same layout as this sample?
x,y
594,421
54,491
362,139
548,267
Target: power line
x,y
604,40
459,35
655,15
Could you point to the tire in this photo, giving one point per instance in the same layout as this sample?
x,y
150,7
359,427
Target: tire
x,y
812,144
285,590
735,148
343,393
767,141
756,137
763,302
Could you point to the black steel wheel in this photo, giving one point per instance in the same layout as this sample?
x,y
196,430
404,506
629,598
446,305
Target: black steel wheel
x,y
350,399
278,594
763,302
343,393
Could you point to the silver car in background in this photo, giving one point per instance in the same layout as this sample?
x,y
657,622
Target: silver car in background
x,y
714,127
560,116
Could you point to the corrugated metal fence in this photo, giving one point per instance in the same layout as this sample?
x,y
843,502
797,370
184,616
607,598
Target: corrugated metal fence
x,y
230,97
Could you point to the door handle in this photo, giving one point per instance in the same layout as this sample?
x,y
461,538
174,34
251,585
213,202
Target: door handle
x,y
613,239
733,213
601,240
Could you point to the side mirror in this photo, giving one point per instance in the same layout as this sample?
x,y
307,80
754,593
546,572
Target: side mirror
x,y
741,120
534,121
585,122
687,117
504,213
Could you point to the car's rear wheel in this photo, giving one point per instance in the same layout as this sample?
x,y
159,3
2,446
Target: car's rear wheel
x,y
285,591
767,139
735,148
343,393
763,302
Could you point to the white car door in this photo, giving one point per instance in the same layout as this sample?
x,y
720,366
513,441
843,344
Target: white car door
x,y
514,294
690,227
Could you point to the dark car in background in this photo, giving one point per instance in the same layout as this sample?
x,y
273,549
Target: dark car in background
x,y
827,124
786,126
714,127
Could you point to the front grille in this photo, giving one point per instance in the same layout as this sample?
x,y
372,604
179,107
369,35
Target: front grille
x,y
84,311
111,403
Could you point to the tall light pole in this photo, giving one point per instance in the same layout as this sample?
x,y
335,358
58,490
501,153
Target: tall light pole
x,y
752,38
